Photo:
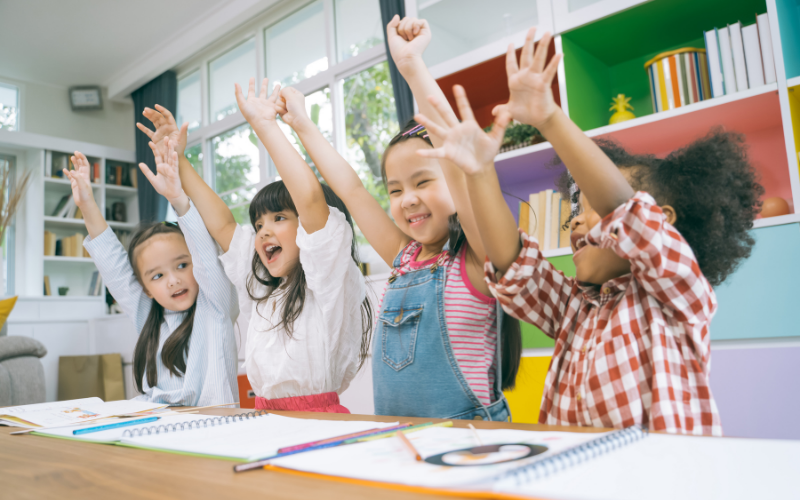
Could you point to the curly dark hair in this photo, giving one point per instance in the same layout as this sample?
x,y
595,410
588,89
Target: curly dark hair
x,y
713,188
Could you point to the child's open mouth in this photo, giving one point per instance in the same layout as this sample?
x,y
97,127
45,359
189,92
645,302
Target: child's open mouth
x,y
578,241
418,220
272,252
180,293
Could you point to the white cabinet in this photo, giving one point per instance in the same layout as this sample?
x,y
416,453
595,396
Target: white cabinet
x,y
569,14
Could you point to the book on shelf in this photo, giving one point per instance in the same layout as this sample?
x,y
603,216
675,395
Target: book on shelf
x,y
70,246
737,50
134,177
49,243
95,284
524,216
752,55
726,58
61,204
78,213
714,64
96,172
563,218
546,222
767,57
47,290
118,175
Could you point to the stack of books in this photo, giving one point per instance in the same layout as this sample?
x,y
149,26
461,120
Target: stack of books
x,y
545,217
71,246
62,161
740,58
67,208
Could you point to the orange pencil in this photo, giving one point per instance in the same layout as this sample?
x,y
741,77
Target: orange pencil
x,y
410,446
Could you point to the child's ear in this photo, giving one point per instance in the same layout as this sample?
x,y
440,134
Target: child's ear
x,y
669,212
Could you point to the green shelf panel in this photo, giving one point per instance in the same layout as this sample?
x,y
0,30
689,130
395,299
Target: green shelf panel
x,y
599,63
789,21
532,337
759,300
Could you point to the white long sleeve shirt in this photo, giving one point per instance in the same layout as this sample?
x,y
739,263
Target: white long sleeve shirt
x,y
210,376
322,355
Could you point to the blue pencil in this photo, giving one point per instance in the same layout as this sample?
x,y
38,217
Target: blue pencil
x,y
114,425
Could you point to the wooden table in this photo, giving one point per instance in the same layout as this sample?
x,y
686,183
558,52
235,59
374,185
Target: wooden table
x,y
41,467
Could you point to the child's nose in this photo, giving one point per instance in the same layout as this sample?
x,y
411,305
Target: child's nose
x,y
409,200
575,222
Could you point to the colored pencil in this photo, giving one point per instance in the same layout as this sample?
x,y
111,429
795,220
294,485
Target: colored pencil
x,y
106,427
342,438
404,439
413,428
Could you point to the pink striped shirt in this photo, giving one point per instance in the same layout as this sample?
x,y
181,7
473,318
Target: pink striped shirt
x,y
470,317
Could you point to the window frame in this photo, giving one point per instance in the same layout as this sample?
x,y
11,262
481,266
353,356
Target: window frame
x,y
20,99
333,78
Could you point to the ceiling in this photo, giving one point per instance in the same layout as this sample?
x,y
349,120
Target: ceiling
x,y
88,42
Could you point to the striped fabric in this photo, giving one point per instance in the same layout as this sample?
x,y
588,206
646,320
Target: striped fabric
x,y
211,363
470,318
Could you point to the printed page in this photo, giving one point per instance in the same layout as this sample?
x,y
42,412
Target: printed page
x,y
251,439
389,460
75,411
666,467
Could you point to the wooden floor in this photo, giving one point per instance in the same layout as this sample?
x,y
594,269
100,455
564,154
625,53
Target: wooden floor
x,y
39,467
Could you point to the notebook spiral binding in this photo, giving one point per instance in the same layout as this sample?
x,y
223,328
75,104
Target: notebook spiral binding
x,y
194,424
572,456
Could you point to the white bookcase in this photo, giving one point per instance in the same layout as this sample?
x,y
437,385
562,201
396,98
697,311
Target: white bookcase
x,y
75,272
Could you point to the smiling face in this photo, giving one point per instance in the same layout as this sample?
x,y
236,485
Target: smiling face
x,y
165,270
276,242
419,199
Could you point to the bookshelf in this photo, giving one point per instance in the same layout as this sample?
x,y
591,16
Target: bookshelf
x,y
74,269
605,45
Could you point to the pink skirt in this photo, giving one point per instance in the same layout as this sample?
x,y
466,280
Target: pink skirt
x,y
321,403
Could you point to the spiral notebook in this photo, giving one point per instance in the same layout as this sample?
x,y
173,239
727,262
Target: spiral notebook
x,y
618,465
242,437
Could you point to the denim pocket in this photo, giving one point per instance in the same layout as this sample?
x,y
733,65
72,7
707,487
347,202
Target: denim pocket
x,y
399,335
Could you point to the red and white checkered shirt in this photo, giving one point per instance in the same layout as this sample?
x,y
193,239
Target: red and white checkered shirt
x,y
635,350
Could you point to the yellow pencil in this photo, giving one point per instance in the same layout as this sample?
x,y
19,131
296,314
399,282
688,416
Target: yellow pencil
x,y
413,428
410,446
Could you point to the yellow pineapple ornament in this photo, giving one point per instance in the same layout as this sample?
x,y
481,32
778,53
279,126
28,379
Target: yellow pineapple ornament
x,y
621,104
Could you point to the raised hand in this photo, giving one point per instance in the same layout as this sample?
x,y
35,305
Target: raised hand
x,y
465,143
166,181
166,126
292,107
531,100
258,109
80,180
407,40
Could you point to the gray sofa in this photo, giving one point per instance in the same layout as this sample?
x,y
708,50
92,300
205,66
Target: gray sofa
x,y
21,372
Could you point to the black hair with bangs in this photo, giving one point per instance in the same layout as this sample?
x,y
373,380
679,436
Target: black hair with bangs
x,y
273,198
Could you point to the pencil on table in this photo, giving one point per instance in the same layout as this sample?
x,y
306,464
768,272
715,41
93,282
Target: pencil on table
x,y
410,446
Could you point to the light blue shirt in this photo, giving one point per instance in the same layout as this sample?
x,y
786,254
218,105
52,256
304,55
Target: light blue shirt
x,y
211,363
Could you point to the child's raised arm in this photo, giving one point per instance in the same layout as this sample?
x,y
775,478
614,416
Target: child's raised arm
x,y
532,102
166,181
383,234
83,196
215,213
407,40
260,112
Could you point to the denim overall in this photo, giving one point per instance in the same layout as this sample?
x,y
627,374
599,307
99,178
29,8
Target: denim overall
x,y
414,370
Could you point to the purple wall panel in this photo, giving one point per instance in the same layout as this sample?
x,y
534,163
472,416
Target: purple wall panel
x,y
758,391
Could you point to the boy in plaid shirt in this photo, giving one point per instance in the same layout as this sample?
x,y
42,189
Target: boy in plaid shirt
x,y
632,328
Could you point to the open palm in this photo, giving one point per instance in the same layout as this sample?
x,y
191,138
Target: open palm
x,y
258,108
529,84
465,143
166,181
80,180
166,126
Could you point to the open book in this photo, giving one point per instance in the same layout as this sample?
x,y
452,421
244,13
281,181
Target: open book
x,y
75,411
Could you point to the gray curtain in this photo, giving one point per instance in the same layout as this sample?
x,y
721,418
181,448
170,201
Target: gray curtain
x,y
162,90
403,99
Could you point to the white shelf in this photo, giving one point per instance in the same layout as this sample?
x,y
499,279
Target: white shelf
x,y
65,182
121,225
651,118
776,221
558,252
793,82
70,260
114,190
63,222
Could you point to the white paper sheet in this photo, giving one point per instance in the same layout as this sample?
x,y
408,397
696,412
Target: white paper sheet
x,y
252,439
389,460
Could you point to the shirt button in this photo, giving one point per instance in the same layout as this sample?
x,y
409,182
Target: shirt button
x,y
584,349
477,417
606,291
578,397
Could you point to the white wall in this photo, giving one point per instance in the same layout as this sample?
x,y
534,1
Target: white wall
x,y
46,110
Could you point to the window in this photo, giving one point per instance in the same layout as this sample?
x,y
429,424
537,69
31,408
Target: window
x,y
238,65
295,46
358,27
370,123
195,156
9,107
7,243
189,101
236,169
318,107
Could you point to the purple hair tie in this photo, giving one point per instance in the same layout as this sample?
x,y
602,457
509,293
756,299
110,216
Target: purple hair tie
x,y
415,129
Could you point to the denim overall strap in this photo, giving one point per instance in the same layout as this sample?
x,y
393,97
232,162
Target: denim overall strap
x,y
415,372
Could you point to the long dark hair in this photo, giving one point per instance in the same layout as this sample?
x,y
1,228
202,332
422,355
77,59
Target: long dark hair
x,y
511,333
274,198
176,347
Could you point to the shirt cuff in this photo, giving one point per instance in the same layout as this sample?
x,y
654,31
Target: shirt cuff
x,y
328,235
610,231
103,239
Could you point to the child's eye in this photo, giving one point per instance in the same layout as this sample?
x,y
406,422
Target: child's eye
x,y
183,265
279,218
259,226
156,276
422,182
394,191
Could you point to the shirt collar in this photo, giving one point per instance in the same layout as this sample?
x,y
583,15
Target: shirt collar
x,y
600,294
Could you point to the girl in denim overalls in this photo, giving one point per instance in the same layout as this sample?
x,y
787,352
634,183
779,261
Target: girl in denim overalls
x,y
442,347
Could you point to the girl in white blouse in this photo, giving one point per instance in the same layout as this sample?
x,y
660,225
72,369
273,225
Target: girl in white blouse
x,y
295,270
